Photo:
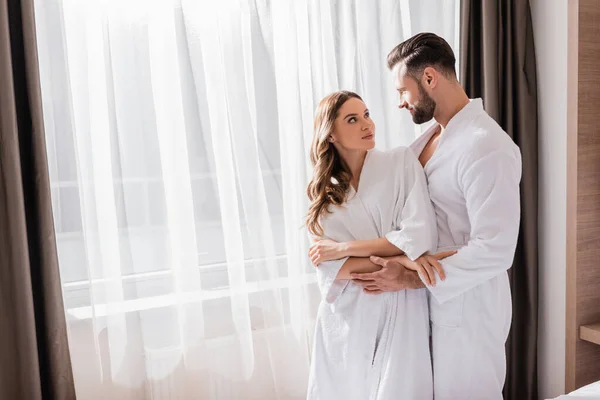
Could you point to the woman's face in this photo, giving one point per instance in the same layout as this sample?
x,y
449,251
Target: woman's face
x,y
353,127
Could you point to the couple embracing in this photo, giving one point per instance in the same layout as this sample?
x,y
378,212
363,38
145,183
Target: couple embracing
x,y
412,245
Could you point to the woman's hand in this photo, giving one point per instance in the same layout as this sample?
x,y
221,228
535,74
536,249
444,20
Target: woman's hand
x,y
326,250
426,264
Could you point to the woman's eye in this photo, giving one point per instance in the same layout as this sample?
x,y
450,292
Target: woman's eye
x,y
367,115
352,120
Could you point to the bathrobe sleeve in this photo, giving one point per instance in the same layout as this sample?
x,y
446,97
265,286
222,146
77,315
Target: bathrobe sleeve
x,y
415,230
489,181
331,288
327,271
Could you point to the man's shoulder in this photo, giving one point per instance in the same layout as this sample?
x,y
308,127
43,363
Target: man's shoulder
x,y
483,139
485,136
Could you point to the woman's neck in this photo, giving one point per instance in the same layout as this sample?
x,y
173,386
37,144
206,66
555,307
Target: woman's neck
x,y
354,159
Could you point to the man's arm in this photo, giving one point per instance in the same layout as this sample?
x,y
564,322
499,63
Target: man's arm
x,y
411,280
491,188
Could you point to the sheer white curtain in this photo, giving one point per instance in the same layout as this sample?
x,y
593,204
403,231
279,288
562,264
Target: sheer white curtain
x,y
177,136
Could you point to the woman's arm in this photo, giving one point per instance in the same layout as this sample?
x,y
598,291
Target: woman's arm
x,y
326,250
366,248
356,265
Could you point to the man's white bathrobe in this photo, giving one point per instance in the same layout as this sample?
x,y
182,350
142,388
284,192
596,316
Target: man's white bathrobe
x,y
473,178
376,346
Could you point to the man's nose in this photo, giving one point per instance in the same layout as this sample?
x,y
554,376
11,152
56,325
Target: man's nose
x,y
403,104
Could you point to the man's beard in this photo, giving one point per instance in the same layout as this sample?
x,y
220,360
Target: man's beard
x,y
424,108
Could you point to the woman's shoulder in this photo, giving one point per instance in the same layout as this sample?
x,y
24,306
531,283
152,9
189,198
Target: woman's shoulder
x,y
396,154
398,162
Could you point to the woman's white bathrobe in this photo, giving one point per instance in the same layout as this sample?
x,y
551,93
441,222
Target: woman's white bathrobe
x,y
376,346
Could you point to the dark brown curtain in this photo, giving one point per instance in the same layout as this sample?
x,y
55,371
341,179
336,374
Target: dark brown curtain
x,y
34,355
498,65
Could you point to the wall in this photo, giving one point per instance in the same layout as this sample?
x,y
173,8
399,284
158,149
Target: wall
x,y
583,191
550,35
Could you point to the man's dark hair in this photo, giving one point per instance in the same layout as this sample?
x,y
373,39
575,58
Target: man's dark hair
x,y
421,51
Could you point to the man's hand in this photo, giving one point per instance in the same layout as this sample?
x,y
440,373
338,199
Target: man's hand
x,y
392,276
426,265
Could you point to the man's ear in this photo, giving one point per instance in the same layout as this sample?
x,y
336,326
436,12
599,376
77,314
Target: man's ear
x,y
430,77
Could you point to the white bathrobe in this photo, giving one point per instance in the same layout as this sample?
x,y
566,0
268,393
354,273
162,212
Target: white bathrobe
x,y
473,178
376,346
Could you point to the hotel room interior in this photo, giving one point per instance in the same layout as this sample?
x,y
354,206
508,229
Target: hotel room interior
x,y
153,171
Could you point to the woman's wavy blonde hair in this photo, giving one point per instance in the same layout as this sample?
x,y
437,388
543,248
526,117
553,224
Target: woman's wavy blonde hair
x,y
331,177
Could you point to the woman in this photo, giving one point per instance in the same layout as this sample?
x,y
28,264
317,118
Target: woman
x,y
366,202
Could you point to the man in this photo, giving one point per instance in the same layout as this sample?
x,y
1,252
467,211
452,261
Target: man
x,y
473,170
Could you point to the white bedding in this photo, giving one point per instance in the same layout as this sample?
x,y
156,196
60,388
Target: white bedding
x,y
589,392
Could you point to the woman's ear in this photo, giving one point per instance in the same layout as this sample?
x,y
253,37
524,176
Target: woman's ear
x,y
331,138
